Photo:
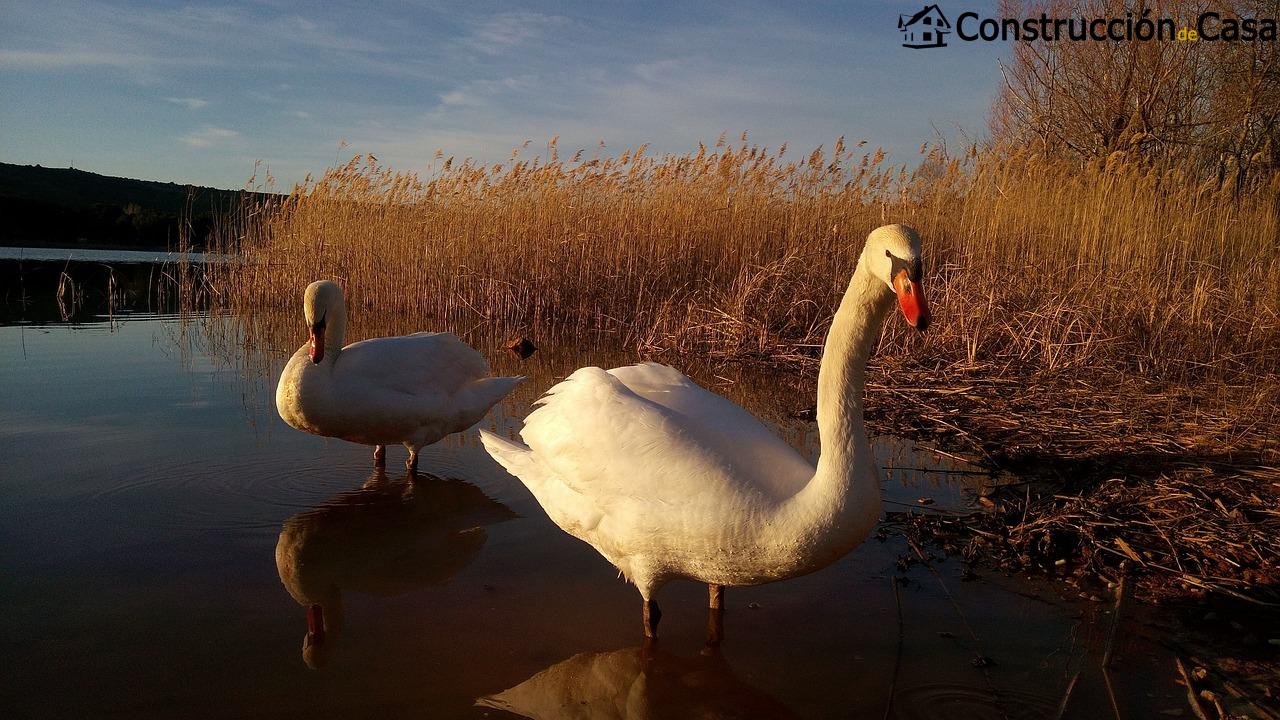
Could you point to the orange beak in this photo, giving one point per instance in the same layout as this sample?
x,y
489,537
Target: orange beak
x,y
911,300
315,344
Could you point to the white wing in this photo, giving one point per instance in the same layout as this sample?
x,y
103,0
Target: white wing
x,y
623,471
411,363
391,387
722,426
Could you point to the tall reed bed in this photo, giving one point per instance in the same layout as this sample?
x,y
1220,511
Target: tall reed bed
x,y
1091,322
738,251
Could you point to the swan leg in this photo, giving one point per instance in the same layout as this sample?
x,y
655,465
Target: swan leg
x,y
715,630
380,456
412,463
715,616
651,615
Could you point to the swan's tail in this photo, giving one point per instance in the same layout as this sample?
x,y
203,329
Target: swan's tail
x,y
487,392
515,456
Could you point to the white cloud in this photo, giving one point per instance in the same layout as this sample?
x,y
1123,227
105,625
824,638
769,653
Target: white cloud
x,y
657,71
150,42
504,31
487,92
458,97
208,136
407,78
57,60
330,37
189,103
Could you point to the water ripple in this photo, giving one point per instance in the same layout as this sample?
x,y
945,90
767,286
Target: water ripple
x,y
958,702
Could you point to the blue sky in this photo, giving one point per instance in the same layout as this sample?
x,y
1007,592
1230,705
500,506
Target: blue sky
x,y
198,93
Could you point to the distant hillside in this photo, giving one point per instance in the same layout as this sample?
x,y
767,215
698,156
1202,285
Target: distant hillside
x,y
46,207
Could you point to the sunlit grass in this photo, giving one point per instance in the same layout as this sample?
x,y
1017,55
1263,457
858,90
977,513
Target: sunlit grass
x,y
739,251
1112,320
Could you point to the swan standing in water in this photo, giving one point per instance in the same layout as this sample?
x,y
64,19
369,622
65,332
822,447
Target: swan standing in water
x,y
413,389
385,539
667,480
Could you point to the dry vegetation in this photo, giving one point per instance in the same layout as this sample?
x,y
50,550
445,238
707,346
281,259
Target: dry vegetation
x,y
1085,313
1105,280
1036,265
1211,107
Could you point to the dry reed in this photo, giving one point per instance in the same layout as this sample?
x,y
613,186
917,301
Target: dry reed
x,y
1036,267
1083,314
735,251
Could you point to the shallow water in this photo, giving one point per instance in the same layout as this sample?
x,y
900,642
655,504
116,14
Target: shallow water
x,y
113,257
147,483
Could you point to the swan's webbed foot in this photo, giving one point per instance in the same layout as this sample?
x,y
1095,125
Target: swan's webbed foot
x,y
651,615
380,456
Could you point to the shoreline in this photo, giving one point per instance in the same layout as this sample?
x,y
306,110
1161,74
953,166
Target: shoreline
x,y
1110,483
1072,434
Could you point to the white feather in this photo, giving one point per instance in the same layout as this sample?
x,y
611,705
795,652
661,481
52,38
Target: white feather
x,y
668,480
413,389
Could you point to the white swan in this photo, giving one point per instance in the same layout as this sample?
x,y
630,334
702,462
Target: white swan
x,y
413,389
668,480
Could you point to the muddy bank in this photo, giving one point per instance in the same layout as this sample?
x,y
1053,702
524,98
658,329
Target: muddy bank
x,y
1125,494
1098,470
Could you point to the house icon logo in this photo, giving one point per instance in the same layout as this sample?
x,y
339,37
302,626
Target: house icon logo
x,y
926,29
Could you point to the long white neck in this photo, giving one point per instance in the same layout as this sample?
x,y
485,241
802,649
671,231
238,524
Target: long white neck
x,y
841,504
335,330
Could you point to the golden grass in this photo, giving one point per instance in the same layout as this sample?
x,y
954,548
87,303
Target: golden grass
x,y
1101,274
736,251
1095,322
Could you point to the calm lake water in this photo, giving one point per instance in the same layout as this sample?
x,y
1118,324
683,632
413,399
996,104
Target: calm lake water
x,y
147,483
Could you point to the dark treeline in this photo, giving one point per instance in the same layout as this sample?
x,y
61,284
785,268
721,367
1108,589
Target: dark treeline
x,y
61,207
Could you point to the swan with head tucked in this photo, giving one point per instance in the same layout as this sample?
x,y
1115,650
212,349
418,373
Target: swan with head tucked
x,y
668,480
413,389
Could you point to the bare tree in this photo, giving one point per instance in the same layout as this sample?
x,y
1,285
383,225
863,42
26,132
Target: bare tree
x,y
1212,107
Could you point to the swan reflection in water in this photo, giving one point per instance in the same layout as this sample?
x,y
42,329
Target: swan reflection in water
x,y
637,683
385,539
